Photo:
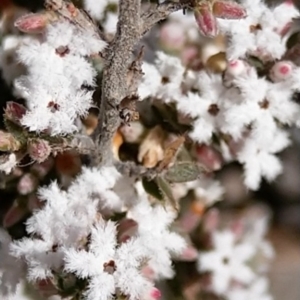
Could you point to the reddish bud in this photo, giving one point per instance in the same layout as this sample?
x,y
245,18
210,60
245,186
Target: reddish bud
x,y
209,157
39,150
14,112
155,294
228,10
281,71
32,23
190,253
205,19
27,184
211,220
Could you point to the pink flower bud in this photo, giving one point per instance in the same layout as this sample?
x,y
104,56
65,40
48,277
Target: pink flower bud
x,y
39,150
285,29
8,142
205,19
14,112
32,23
211,220
225,9
190,253
281,71
209,157
155,294
236,68
27,184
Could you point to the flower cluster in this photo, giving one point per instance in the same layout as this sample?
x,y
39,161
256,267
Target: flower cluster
x,y
244,109
58,61
224,90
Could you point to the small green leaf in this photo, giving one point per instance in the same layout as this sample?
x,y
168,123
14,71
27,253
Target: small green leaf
x,y
182,171
166,190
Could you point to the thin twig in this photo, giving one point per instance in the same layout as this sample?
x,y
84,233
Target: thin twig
x,y
161,12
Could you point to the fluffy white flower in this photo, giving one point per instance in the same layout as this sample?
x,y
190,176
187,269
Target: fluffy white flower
x,y
261,33
57,72
257,156
205,108
155,236
227,261
109,267
67,216
40,256
162,80
66,219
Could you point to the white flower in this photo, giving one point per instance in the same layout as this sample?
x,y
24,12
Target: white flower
x,y
226,261
155,236
162,80
67,216
39,255
57,70
257,155
205,108
261,32
258,290
66,219
109,267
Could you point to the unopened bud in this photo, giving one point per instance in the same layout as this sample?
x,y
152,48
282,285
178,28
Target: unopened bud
x,y
205,19
27,184
236,68
281,71
155,294
32,23
209,157
211,220
39,150
14,112
190,253
228,10
8,142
